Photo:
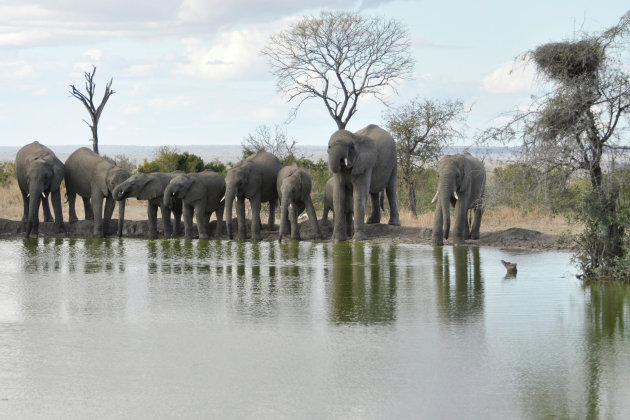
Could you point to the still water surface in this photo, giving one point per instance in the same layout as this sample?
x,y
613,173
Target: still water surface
x,y
109,328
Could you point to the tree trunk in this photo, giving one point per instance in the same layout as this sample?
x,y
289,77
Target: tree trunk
x,y
411,197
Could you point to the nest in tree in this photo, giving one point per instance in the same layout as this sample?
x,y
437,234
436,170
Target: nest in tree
x,y
569,60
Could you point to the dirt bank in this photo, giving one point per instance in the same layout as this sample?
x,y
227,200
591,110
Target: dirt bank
x,y
509,238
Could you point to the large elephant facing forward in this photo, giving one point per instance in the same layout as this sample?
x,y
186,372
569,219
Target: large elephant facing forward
x,y
201,194
294,190
366,161
39,173
254,179
462,184
94,179
151,187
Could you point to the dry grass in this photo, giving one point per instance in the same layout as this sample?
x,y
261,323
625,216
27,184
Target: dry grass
x,y
502,219
11,207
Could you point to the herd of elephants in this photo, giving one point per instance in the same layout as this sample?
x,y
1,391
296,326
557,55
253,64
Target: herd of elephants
x,y
362,163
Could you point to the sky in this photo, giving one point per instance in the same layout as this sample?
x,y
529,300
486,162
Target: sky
x,y
190,72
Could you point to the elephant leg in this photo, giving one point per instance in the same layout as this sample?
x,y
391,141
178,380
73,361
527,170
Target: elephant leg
x,y
240,217
219,215
87,208
349,224
55,198
295,227
476,225
72,214
254,202
110,204
271,222
392,200
177,217
188,221
438,220
97,202
325,216
202,221
48,217
166,220
152,216
459,230
339,209
310,211
25,200
360,187
375,217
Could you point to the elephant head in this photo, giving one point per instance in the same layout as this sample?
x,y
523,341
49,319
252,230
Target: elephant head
x,y
350,153
140,185
186,188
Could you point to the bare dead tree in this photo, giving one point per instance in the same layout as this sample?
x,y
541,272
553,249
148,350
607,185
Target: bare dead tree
x,y
275,141
422,129
88,101
339,57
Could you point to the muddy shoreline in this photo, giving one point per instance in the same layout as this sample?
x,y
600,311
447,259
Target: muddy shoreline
x,y
378,233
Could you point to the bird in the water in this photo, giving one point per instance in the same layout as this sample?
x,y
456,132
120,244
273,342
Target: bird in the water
x,y
510,267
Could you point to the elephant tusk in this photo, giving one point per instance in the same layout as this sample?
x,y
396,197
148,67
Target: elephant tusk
x,y
43,195
222,200
28,195
345,161
455,195
435,197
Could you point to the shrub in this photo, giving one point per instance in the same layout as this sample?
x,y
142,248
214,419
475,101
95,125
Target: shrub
x,y
168,160
7,173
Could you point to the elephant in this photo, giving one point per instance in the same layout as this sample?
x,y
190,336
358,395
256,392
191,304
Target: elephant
x,y
294,189
462,184
253,178
329,205
39,173
94,179
365,160
201,193
150,187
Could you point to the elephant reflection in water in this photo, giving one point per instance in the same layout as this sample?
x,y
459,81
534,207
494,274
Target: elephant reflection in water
x,y
363,283
43,255
463,299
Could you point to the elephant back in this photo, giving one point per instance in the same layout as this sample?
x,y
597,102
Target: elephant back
x,y
386,164
85,168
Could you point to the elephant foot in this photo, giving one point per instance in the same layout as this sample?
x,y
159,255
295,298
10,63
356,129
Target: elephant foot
x,y
394,222
49,219
437,241
372,220
359,236
73,219
295,237
273,227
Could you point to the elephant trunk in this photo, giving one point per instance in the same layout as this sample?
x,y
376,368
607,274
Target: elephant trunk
x,y
121,216
446,191
337,159
230,194
284,215
35,195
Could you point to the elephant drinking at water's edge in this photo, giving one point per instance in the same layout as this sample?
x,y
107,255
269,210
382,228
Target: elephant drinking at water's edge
x,y
366,162
462,184
39,173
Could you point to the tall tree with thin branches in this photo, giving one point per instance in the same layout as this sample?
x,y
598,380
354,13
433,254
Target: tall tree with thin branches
x,y
88,101
338,57
422,129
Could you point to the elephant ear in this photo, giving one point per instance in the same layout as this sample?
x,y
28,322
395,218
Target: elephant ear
x,y
366,154
100,178
151,189
58,174
192,189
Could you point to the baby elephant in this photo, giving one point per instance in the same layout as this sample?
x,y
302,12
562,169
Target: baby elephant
x,y
151,187
328,206
201,193
294,188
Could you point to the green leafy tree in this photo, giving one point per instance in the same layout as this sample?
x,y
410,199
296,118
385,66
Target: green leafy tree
x,y
169,159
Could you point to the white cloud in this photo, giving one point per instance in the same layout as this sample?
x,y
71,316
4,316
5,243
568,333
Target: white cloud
x,y
234,55
511,77
166,103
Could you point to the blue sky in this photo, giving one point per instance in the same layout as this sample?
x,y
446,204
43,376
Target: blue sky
x,y
189,72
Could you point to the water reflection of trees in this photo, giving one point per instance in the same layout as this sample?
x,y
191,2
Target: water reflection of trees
x,y
363,283
459,297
